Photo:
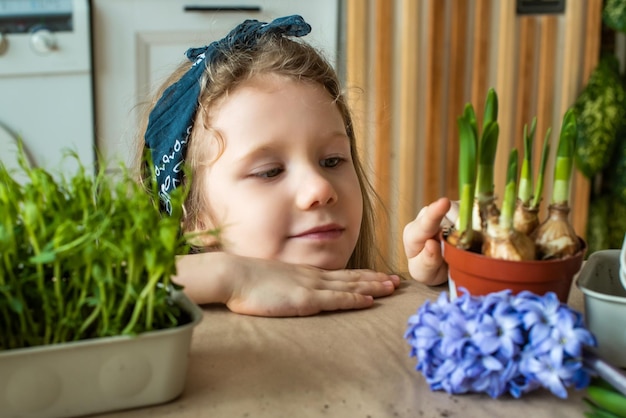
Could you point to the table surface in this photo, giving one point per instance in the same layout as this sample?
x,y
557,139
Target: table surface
x,y
341,364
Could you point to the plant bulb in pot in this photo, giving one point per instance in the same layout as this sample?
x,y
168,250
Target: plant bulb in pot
x,y
526,216
476,172
525,219
484,198
501,239
555,237
464,235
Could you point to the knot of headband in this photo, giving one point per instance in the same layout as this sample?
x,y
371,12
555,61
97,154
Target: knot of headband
x,y
171,120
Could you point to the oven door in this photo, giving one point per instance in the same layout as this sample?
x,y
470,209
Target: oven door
x,y
46,98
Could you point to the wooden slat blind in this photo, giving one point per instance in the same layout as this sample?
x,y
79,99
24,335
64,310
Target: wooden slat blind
x,y
383,90
434,89
482,44
548,26
408,116
413,65
456,97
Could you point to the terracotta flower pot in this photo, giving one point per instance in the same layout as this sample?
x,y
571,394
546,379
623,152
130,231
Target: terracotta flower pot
x,y
481,275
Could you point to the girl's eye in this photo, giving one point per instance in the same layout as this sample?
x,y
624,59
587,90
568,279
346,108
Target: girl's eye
x,y
268,174
331,162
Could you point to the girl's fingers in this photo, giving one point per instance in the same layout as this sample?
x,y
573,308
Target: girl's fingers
x,y
428,266
326,300
301,302
359,277
329,300
371,287
304,291
425,226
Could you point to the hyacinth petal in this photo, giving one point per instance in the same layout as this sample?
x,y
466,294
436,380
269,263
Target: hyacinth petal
x,y
491,363
488,344
442,302
425,343
429,319
556,357
582,379
573,346
509,373
474,370
538,333
454,328
442,373
556,387
516,391
572,339
532,315
546,345
585,337
551,300
495,389
425,331
507,347
490,383
520,384
481,384
452,347
457,381
517,336
487,323
509,322
526,295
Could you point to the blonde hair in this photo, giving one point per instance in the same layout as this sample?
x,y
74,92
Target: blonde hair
x,y
272,55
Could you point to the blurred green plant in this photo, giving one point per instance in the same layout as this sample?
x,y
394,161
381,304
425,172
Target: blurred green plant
x,y
84,257
604,401
614,14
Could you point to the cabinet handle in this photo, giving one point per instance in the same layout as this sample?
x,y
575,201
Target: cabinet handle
x,y
205,9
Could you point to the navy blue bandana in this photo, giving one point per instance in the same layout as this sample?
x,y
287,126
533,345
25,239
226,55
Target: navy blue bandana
x,y
171,120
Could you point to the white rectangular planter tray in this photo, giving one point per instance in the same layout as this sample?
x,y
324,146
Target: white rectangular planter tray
x,y
605,304
97,375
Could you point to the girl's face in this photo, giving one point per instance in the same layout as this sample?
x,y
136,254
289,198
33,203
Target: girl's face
x,y
285,187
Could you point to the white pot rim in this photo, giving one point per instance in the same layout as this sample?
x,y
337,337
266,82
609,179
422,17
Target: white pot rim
x,y
602,296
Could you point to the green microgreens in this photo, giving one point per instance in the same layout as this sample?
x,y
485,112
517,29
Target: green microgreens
x,y
83,257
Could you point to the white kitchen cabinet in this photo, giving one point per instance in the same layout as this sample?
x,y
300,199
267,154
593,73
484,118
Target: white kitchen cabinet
x,y
137,43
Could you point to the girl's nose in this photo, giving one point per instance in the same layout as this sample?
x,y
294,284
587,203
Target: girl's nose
x,y
315,190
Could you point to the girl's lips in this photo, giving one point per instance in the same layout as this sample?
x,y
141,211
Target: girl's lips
x,y
322,232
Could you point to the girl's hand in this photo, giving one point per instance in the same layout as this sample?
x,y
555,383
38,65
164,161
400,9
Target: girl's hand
x,y
272,288
421,242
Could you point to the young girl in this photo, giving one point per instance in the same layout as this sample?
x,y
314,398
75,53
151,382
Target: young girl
x,y
261,124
